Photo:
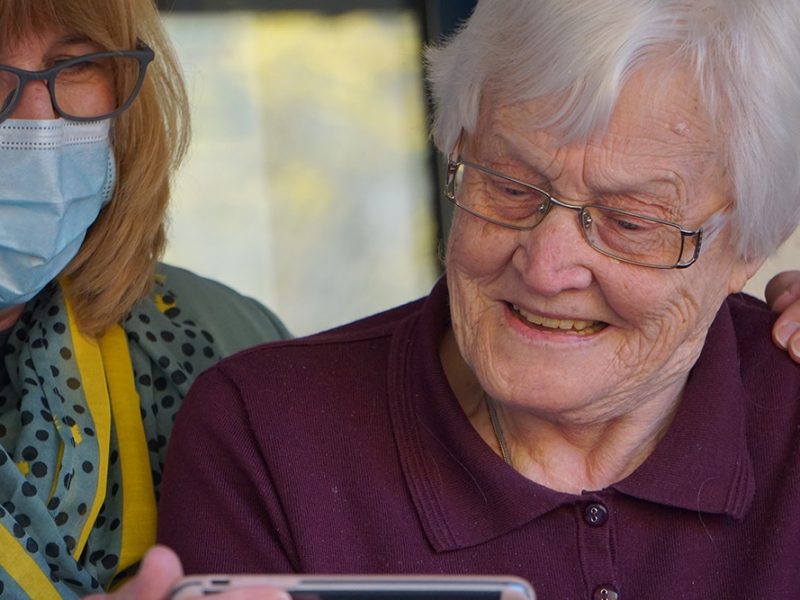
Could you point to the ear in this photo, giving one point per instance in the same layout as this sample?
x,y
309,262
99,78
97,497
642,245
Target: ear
x,y
743,270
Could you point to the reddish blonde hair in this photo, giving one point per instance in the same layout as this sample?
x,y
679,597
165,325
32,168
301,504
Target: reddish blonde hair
x,y
115,265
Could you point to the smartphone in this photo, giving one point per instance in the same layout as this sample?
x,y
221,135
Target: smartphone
x,y
364,587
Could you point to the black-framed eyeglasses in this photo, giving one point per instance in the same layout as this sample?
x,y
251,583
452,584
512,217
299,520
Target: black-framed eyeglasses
x,y
621,234
85,88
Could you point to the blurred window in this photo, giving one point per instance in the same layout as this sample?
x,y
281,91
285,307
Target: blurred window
x,y
309,183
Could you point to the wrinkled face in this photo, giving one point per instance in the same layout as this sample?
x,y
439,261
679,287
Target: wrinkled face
x,y
549,324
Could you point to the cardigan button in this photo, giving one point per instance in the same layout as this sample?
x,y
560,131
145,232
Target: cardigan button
x,y
595,514
605,592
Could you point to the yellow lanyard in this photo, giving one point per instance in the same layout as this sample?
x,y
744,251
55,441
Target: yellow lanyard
x,y
107,375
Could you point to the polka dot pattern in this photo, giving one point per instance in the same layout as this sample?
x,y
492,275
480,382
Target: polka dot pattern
x,y
48,446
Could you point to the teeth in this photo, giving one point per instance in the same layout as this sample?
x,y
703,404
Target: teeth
x,y
580,327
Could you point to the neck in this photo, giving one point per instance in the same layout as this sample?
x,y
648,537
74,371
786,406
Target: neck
x,y
9,316
565,452
573,457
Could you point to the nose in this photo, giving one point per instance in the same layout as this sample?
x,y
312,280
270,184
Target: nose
x,y
554,257
34,102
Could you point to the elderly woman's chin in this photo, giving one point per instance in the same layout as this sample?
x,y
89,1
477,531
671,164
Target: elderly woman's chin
x,y
557,331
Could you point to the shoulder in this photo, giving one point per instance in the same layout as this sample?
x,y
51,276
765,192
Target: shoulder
x,y
290,395
751,316
196,289
346,344
752,323
308,373
234,320
765,369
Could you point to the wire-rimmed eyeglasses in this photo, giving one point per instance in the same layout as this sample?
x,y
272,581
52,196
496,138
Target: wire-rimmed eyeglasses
x,y
85,88
621,234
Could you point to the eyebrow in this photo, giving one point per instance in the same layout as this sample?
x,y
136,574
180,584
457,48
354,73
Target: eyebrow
x,y
512,151
508,148
73,37
502,147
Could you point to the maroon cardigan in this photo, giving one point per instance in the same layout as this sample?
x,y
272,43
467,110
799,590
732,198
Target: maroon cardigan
x,y
347,452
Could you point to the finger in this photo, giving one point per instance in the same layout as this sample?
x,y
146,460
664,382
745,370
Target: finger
x,y
782,290
786,331
794,347
159,572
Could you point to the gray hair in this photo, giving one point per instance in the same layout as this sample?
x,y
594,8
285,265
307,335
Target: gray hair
x,y
745,55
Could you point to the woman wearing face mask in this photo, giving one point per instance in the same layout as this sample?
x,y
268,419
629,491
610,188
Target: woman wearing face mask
x,y
100,342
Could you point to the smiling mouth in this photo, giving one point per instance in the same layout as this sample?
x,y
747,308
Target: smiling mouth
x,y
574,326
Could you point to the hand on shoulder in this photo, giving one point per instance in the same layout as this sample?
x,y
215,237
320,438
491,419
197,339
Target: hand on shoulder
x,y
783,295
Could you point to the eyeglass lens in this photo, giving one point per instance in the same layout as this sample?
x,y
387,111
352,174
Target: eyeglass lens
x,y
630,237
91,88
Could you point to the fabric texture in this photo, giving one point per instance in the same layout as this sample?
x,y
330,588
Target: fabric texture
x,y
347,452
84,425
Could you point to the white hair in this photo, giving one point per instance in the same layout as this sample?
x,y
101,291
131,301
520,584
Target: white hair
x,y
745,55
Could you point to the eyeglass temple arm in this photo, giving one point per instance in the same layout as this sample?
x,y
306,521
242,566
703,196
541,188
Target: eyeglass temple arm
x,y
705,234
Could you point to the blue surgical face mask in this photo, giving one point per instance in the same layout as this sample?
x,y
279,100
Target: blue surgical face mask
x,y
55,176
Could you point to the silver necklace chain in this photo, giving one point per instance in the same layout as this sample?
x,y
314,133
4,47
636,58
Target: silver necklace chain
x,y
498,430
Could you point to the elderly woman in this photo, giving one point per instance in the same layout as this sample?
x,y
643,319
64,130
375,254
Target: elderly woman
x,y
586,399
100,343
